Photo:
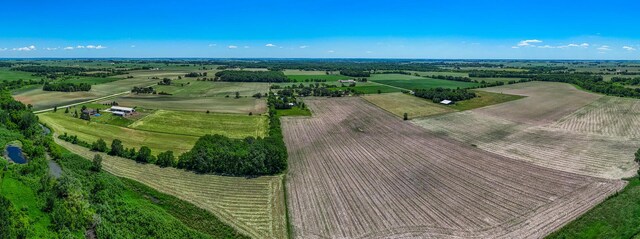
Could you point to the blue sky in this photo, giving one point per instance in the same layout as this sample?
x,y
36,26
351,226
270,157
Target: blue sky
x,y
322,28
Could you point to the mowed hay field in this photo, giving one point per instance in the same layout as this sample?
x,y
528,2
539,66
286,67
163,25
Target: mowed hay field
x,y
244,105
356,171
200,123
399,103
255,207
416,82
92,131
542,129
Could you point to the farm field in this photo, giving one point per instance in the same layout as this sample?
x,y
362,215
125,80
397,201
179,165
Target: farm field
x,y
243,105
199,124
400,103
289,72
538,138
495,79
91,131
255,207
483,99
302,78
192,88
415,82
47,99
439,73
609,116
372,175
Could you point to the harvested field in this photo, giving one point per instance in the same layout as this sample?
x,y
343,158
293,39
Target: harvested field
x,y
214,104
610,116
359,172
546,102
399,103
254,207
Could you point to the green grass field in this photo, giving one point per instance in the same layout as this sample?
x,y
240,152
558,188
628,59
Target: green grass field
x,y
199,124
484,99
221,104
617,217
92,131
194,88
438,73
7,74
295,111
415,82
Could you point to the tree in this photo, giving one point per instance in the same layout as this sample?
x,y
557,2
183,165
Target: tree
x,y
405,116
144,155
99,146
55,109
66,110
637,154
166,159
237,95
379,92
97,163
116,148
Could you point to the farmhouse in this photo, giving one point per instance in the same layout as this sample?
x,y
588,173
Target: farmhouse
x,y
446,102
347,81
121,111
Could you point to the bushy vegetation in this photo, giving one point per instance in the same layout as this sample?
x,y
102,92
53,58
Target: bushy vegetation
x,y
66,87
143,90
355,73
439,94
626,81
252,76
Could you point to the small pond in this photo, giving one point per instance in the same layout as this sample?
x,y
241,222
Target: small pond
x,y
15,154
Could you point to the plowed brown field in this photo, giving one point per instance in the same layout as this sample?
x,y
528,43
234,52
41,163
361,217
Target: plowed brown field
x,y
357,171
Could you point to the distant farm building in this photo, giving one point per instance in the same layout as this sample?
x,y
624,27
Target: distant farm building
x,y
347,81
446,102
121,111
90,111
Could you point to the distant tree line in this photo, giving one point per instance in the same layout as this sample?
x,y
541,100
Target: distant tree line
x,y
626,81
592,83
453,78
16,84
440,94
355,73
66,86
316,89
251,76
6,64
143,90
165,81
500,74
196,74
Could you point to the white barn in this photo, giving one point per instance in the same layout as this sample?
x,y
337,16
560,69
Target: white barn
x,y
446,102
121,111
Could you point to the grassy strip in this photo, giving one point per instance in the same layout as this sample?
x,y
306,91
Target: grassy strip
x,y
484,99
617,217
192,216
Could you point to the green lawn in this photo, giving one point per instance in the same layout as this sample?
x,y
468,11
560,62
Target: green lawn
x,y
415,82
484,99
198,124
295,111
617,217
9,75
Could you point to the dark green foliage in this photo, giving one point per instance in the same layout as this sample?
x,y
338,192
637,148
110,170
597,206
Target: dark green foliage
x,y
12,222
439,94
99,146
165,81
405,116
85,116
144,155
117,149
355,73
143,90
97,163
166,159
66,87
252,76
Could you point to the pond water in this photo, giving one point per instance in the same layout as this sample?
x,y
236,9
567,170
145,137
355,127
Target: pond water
x,y
15,154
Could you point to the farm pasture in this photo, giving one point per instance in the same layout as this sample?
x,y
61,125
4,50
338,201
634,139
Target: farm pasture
x,y
399,103
289,72
440,73
356,171
193,88
302,78
255,207
243,105
92,131
200,123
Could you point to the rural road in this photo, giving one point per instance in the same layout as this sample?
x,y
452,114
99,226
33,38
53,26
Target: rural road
x,y
83,102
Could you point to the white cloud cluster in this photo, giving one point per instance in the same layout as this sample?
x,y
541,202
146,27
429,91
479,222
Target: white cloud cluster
x,y
629,48
26,48
604,48
212,45
98,47
331,51
269,45
51,48
303,47
528,43
232,47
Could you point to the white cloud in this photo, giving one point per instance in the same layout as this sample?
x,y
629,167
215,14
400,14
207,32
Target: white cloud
x,y
269,45
100,47
368,52
51,49
547,47
628,48
232,47
246,47
515,47
529,42
79,47
68,48
90,47
303,47
604,48
26,48
585,45
133,46
331,51
212,45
